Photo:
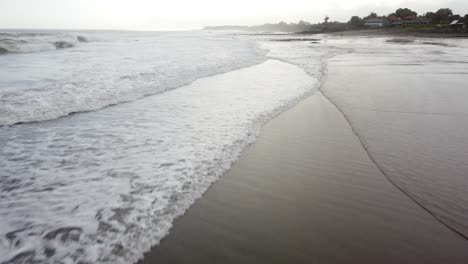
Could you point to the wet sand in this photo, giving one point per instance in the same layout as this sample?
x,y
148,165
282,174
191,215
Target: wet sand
x,y
412,116
307,192
401,33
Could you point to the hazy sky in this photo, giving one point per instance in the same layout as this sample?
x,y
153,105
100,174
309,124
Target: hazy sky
x,y
192,14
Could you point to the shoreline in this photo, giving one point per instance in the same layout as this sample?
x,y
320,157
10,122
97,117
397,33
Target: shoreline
x,y
399,33
307,192
367,33
413,124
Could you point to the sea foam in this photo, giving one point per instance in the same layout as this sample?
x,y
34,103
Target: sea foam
x,y
105,186
114,67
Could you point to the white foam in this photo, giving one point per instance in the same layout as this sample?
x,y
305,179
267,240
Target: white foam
x,y
103,187
117,67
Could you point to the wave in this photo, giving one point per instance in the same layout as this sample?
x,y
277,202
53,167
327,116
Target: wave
x,y
37,42
107,73
107,185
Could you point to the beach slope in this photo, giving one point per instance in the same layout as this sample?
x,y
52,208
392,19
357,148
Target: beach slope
x,y
307,192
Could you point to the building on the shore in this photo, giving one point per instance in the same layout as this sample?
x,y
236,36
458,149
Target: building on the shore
x,y
456,24
395,21
376,22
414,20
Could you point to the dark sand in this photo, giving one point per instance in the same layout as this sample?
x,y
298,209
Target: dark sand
x,y
401,33
307,192
412,116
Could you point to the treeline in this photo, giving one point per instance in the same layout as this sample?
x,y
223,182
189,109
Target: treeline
x,y
280,27
301,26
441,16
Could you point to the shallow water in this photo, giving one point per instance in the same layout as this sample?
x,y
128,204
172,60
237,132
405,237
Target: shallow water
x,y
412,118
104,186
406,100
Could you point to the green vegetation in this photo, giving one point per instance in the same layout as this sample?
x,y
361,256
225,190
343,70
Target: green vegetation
x,y
405,19
441,16
403,12
356,22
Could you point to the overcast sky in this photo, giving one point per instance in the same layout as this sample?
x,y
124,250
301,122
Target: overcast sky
x,y
193,14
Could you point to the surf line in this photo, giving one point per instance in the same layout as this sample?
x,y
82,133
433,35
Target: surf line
x,y
386,176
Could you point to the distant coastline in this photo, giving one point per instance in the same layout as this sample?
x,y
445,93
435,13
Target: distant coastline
x,y
404,21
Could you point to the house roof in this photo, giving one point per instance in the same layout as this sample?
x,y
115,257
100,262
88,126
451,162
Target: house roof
x,y
454,22
410,18
394,18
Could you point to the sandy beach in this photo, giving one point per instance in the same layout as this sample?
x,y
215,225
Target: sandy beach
x,y
401,33
319,185
240,149
414,124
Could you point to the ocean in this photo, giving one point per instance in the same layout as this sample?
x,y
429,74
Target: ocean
x,y
105,140
106,137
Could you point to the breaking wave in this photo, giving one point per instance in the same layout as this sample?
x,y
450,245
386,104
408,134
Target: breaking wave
x,y
105,186
120,68
37,42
